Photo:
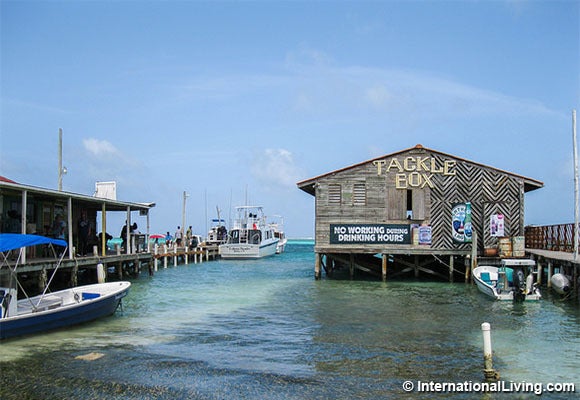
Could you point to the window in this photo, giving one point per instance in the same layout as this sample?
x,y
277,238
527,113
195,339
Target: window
x,y
334,194
359,194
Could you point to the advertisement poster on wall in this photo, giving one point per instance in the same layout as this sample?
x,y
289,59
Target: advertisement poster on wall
x,y
461,222
496,225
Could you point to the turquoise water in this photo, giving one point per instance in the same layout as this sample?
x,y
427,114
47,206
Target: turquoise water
x,y
265,329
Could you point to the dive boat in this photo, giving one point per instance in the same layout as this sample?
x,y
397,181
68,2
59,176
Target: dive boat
x,y
513,280
50,310
251,236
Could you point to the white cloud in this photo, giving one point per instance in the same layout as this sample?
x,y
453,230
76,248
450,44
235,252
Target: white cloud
x,y
276,167
100,147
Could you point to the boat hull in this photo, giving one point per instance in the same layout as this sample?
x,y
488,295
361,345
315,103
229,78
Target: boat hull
x,y
94,301
281,246
247,251
493,291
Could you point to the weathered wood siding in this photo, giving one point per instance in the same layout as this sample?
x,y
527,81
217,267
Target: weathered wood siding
x,y
361,195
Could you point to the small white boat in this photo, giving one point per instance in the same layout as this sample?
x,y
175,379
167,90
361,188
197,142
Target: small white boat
x,y
513,280
278,226
250,237
218,233
51,310
560,283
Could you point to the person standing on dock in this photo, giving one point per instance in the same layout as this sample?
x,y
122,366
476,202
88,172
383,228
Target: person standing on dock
x,y
178,236
58,227
85,232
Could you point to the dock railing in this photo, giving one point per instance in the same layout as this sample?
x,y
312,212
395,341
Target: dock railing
x,y
551,237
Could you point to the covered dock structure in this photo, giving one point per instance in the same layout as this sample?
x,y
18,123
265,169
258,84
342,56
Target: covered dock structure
x,y
33,210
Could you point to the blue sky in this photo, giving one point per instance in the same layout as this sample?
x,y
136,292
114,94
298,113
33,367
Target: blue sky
x,y
231,101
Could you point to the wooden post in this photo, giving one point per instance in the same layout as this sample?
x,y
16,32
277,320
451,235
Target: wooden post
x,y
317,266
103,230
156,262
120,271
550,273
385,267
164,256
490,374
351,265
540,270
473,256
175,256
416,266
451,258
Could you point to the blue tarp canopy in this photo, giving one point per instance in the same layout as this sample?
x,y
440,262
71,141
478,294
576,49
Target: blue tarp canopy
x,y
11,241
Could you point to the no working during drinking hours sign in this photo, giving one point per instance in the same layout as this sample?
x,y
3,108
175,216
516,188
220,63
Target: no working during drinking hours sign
x,y
370,234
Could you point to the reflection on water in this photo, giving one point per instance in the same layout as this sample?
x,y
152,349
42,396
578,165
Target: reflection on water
x,y
267,329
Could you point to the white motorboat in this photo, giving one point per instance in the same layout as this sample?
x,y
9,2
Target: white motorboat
x,y
278,226
218,233
251,235
51,310
560,283
513,280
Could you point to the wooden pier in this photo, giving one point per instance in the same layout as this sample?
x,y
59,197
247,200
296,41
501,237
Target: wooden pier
x,y
174,255
552,246
114,265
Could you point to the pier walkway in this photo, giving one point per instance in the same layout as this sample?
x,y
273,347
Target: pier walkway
x,y
94,268
553,245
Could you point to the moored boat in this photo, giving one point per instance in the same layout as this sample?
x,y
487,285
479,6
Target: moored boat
x,y
251,235
51,310
513,280
278,226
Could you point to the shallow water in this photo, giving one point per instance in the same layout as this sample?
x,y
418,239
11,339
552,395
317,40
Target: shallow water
x,y
266,329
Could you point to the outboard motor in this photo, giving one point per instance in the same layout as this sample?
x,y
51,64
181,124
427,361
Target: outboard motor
x,y
519,285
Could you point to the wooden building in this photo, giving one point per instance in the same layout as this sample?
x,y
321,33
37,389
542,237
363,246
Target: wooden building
x,y
416,210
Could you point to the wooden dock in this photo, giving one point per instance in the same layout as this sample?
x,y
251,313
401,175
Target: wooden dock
x,y
96,268
552,246
175,254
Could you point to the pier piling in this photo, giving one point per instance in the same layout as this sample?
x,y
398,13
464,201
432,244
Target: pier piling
x,y
490,374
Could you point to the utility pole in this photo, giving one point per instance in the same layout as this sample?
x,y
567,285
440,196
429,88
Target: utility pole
x,y
61,169
185,196
575,186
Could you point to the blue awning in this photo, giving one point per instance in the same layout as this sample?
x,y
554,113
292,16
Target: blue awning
x,y
11,241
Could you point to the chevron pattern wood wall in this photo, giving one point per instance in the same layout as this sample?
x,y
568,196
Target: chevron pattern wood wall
x,y
490,192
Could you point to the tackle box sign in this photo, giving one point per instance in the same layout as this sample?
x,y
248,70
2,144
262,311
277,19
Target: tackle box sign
x,y
370,234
